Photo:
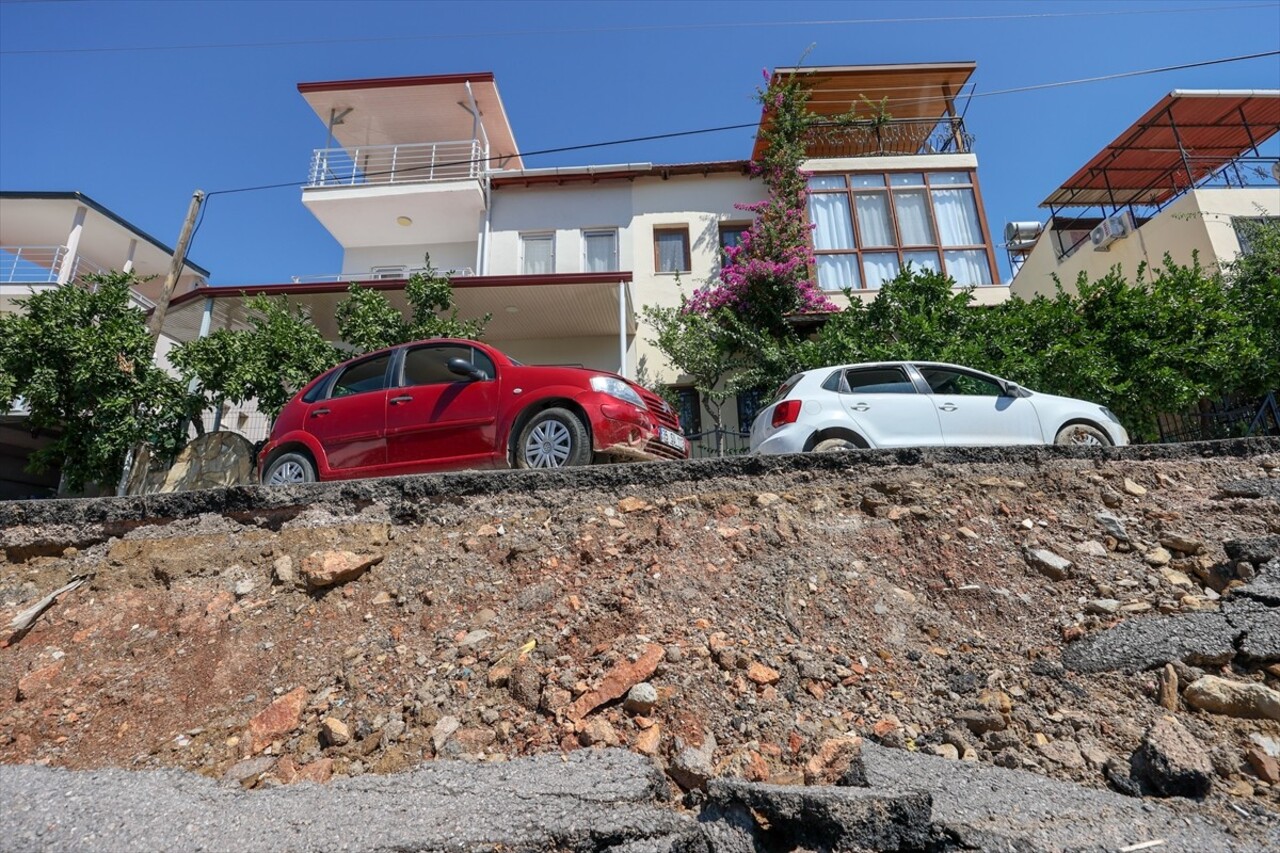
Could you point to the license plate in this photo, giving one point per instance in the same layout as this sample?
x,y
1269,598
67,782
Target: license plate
x,y
671,439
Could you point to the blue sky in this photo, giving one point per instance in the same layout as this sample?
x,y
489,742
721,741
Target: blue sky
x,y
137,104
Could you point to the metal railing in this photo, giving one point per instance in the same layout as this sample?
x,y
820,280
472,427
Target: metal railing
x,y
40,264
890,137
1228,417
384,275
713,443
414,163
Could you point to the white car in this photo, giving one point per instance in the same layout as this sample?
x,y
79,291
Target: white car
x,y
915,404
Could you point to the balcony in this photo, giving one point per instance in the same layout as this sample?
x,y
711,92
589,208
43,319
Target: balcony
x,y
25,270
399,195
383,274
890,137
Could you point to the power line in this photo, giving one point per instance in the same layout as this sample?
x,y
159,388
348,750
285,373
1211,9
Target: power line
x,y
681,133
640,28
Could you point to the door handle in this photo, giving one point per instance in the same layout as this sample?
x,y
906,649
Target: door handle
x,y
315,413
861,407
404,398
948,407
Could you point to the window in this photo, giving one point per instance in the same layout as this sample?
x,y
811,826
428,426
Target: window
x,y
538,253
749,405
689,408
388,272
671,249
731,234
367,375
430,365
600,251
877,380
1248,227
867,227
946,381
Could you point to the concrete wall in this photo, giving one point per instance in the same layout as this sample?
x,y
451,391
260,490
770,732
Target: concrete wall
x,y
444,256
1198,222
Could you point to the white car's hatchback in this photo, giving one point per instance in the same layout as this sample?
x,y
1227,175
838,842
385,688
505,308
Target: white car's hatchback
x,y
916,404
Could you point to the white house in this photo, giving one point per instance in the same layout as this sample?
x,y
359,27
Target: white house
x,y
1180,180
564,258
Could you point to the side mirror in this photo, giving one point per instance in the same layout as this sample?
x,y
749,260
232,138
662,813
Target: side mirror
x,y
1012,389
462,367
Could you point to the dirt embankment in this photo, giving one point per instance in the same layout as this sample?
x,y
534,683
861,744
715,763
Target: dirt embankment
x,y
743,618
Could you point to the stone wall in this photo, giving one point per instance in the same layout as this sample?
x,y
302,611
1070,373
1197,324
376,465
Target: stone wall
x,y
210,461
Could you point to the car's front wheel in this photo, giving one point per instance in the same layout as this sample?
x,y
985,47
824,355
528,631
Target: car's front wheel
x,y
553,438
289,469
1082,435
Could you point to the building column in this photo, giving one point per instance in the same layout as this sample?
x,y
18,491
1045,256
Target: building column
x,y
622,329
128,259
68,265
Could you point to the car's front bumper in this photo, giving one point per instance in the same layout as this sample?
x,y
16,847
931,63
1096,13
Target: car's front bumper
x,y
624,432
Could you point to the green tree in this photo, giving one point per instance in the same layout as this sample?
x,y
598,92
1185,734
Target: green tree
x,y
277,354
1252,284
80,357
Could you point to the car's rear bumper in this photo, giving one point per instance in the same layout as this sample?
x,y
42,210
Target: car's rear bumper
x,y
789,438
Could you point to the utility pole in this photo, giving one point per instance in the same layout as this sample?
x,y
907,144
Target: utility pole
x,y
175,269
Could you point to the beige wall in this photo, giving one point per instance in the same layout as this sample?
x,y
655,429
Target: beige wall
x,y
1199,222
444,256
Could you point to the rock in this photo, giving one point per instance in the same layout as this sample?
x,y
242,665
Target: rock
x,y
767,499
1256,551
632,504
967,532
617,682
474,638
1157,557
249,771
334,732
1102,606
318,771
1091,548
243,588
1173,577
392,731
691,767
1266,743
641,698
525,685
982,720
598,732
762,675
1168,687
1113,526
1171,763
947,751
1179,542
838,761
322,569
283,569
442,731
1263,766
38,680
1064,752
469,741
1048,564
276,720
1132,488
1233,698
648,741
1138,644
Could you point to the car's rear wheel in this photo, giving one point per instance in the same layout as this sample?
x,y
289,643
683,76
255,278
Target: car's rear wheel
x,y
1082,435
832,445
290,469
553,438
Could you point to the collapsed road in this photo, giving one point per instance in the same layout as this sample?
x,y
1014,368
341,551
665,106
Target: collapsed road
x,y
1025,649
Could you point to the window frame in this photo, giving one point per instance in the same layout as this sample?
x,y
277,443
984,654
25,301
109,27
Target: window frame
x,y
736,226
611,232
401,368
683,231
528,236
689,393
886,192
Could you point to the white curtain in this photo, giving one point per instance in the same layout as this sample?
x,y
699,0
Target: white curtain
x,y
836,272
923,260
874,225
539,257
672,248
913,218
829,213
601,251
880,267
968,266
957,217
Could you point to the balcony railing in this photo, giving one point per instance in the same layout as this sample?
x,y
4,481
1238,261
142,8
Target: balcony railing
x,y
416,163
40,264
890,137
389,274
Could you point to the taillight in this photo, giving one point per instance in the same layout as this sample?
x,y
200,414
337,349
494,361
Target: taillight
x,y
785,412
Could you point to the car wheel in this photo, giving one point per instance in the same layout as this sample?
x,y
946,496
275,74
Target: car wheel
x,y
553,438
829,445
1082,435
289,469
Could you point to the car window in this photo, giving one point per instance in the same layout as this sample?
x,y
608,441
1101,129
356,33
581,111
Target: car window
x,y
316,390
877,380
429,365
946,381
367,375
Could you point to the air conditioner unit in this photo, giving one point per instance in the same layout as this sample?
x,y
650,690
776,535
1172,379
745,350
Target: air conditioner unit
x,y
387,273
1111,229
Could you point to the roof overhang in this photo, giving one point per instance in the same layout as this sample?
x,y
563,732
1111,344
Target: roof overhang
x,y
526,307
910,91
404,110
1183,139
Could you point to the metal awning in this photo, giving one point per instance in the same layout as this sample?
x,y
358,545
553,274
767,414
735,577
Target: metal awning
x,y
1182,140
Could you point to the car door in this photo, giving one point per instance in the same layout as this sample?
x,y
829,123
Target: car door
x,y
974,410
350,422
887,409
438,419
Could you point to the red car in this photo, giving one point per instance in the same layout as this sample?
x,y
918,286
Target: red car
x,y
442,404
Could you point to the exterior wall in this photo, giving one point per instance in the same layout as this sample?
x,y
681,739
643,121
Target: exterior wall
x,y
444,256
1200,222
593,352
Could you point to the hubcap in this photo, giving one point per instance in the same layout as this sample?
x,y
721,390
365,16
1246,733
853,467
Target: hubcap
x,y
289,472
1085,439
548,445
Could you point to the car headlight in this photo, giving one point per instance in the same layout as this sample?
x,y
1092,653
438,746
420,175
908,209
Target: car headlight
x,y
1110,414
615,387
